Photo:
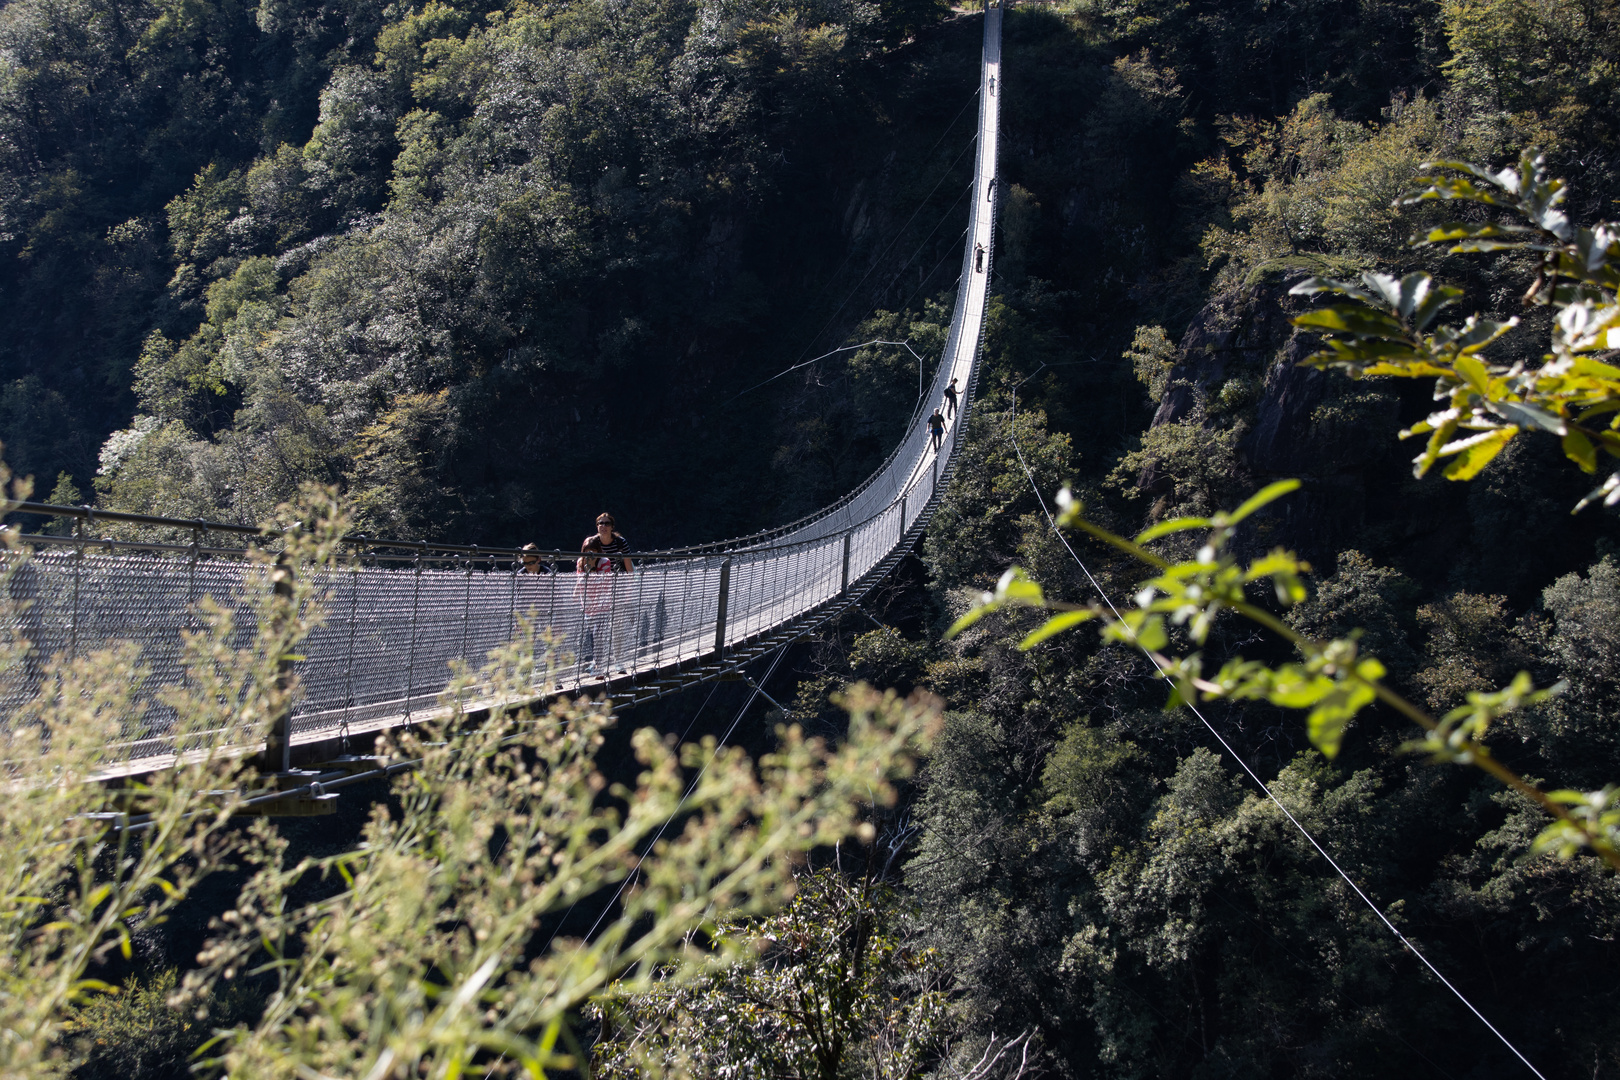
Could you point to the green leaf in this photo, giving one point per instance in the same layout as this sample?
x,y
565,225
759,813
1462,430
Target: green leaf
x,y
1344,319
1017,587
1056,625
1455,230
1437,300
1311,286
1414,290
1476,453
1585,365
1327,721
1151,636
1174,525
1293,689
1526,415
1268,494
1385,288
972,615
1470,247
1474,373
1579,449
1478,333
1608,491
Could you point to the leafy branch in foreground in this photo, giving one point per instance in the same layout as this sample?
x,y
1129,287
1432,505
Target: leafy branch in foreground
x,y
1333,680
429,958
73,889
1390,328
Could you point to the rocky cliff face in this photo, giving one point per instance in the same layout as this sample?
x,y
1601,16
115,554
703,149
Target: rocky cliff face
x,y
1239,371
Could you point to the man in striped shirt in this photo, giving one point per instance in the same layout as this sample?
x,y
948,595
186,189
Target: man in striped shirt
x,y
608,605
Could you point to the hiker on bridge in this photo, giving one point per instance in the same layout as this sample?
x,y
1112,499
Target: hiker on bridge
x,y
608,601
605,543
950,399
936,430
529,555
978,258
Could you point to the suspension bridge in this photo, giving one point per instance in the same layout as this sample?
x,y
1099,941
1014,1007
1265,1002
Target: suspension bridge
x,y
399,613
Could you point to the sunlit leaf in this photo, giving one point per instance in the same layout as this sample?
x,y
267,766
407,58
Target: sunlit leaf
x,y
1579,449
1352,320
1474,373
1017,587
1475,453
1530,416
1151,636
1327,721
1056,625
1608,491
1174,525
1268,494
971,616
1478,333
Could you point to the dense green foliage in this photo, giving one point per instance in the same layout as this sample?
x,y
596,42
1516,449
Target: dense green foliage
x,y
494,268
481,265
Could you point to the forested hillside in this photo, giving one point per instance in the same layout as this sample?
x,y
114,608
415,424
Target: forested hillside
x,y
492,268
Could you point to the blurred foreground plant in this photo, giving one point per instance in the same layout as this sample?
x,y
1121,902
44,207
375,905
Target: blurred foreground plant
x,y
430,958
1333,680
73,887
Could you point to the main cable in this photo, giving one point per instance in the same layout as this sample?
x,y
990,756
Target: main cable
x,y
850,254
875,262
1320,850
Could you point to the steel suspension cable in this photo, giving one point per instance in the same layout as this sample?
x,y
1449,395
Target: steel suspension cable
x,y
1261,784
850,254
862,280
690,788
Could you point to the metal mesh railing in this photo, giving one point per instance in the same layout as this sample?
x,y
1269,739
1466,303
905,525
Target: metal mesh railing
x,y
398,615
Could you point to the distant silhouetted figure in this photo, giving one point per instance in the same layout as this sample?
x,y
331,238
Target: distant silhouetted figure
x,y
936,430
950,399
978,258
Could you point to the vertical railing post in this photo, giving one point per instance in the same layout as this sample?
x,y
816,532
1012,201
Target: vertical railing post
x,y
720,612
511,601
466,602
612,622
78,573
551,603
843,588
278,747
191,569
348,672
410,663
